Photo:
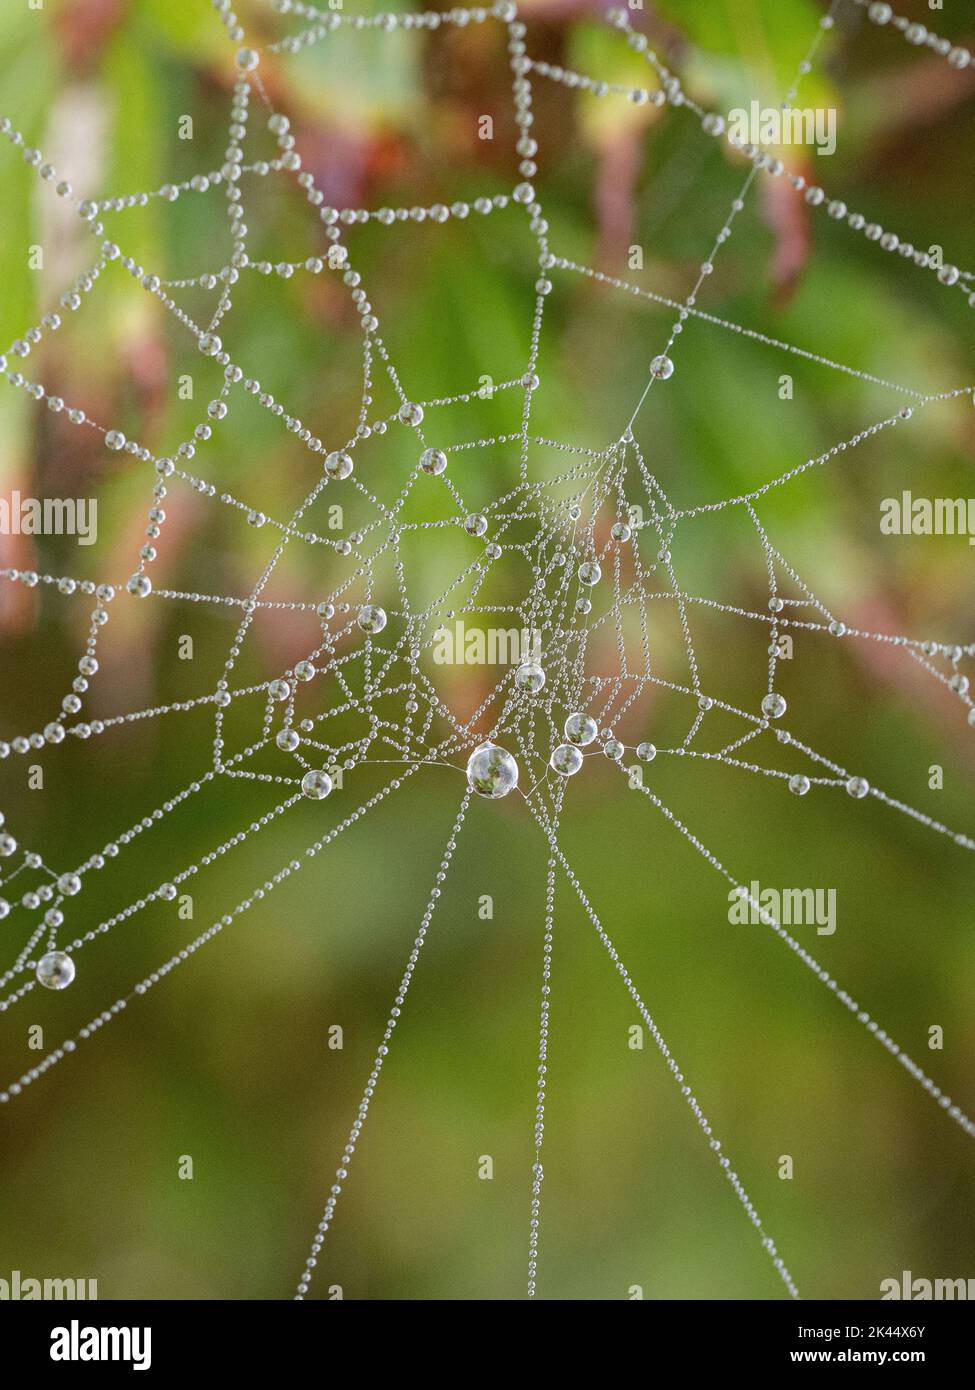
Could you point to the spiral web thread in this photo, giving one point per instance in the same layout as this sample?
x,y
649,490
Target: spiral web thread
x,y
376,672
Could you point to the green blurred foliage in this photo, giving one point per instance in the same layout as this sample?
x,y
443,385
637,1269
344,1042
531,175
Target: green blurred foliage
x,y
228,1060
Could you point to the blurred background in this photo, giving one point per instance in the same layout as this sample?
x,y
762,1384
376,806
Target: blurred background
x,y
228,1060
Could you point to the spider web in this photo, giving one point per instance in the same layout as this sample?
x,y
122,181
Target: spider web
x,y
590,531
